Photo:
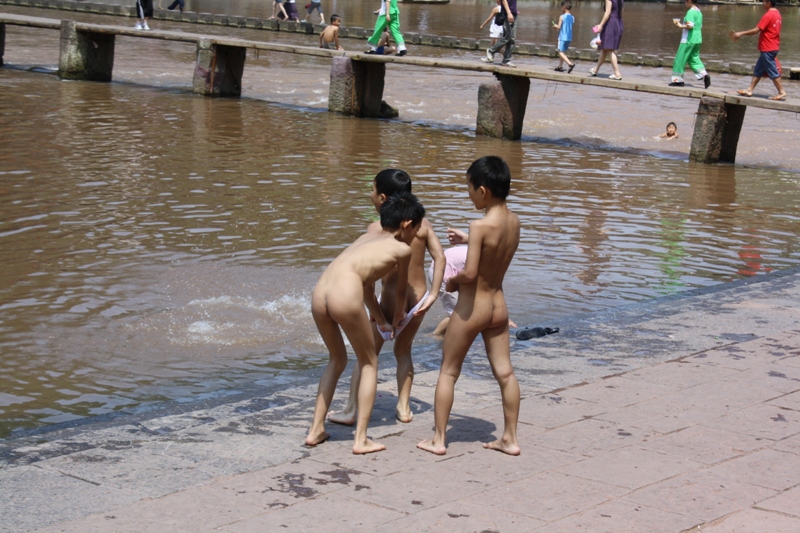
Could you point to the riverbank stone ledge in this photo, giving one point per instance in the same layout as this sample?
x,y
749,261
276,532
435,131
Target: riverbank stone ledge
x,y
531,49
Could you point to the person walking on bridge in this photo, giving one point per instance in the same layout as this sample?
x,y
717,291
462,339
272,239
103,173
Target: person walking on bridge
x,y
610,30
509,37
689,49
388,17
769,43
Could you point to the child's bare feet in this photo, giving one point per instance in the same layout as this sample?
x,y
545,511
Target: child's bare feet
x,y
403,415
313,440
500,446
744,92
368,447
429,446
779,97
346,418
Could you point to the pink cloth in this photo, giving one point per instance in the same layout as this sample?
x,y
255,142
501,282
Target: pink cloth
x,y
455,261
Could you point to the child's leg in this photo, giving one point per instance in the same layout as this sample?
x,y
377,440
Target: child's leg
x,y
348,415
332,337
380,25
457,340
695,63
359,332
498,352
779,87
405,368
397,37
442,327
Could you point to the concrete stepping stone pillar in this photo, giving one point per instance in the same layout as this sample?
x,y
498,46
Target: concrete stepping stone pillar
x,y
357,89
85,55
501,107
218,69
2,42
716,131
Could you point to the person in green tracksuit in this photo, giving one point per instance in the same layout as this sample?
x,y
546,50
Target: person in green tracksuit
x,y
689,49
388,17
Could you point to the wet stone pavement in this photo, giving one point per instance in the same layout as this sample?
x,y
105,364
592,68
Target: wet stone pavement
x,y
680,414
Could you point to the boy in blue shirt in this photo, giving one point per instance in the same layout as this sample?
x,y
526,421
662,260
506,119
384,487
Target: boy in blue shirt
x,y
564,27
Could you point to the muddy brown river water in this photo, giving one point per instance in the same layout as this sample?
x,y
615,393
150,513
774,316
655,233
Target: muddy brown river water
x,y
158,245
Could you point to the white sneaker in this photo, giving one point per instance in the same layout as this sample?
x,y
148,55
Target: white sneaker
x,y
145,27
138,26
489,56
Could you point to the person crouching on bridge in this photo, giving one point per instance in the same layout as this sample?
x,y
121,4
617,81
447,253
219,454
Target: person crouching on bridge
x,y
388,18
689,49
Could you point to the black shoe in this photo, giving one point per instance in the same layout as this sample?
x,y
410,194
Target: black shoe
x,y
572,66
401,53
676,84
707,80
371,52
558,69
533,333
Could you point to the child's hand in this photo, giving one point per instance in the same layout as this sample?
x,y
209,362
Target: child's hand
x,y
427,305
386,328
396,323
456,236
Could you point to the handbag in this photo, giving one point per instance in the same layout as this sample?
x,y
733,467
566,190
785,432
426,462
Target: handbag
x,y
500,18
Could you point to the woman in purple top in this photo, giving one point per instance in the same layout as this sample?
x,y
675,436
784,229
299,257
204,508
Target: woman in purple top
x,y
610,29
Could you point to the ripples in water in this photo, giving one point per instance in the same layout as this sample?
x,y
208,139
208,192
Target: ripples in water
x,y
164,246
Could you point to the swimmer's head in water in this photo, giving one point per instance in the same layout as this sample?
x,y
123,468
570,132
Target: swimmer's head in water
x,y
672,129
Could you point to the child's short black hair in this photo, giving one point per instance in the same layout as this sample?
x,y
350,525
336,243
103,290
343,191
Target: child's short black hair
x,y
400,207
566,4
491,172
392,181
772,2
672,124
335,17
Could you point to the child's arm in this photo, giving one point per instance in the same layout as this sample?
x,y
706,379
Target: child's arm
x,y
560,20
388,14
336,38
494,12
437,254
321,35
402,284
456,236
374,308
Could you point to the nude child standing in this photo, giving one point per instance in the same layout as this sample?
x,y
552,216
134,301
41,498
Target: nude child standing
x,y
481,307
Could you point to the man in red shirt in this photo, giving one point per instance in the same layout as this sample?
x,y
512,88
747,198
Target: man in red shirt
x,y
769,42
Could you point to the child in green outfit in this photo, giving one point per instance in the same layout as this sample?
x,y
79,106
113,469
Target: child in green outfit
x,y
689,49
388,18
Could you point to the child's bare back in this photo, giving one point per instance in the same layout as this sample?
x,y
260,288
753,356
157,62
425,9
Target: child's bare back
x,y
481,307
493,240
